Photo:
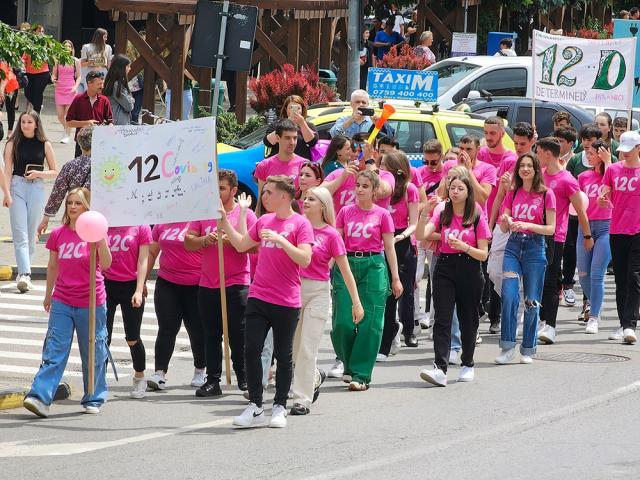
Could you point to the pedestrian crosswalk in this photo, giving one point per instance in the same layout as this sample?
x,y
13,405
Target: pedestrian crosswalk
x,y
23,327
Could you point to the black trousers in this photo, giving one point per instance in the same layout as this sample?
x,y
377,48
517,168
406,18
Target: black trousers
x,y
259,317
625,252
211,316
10,106
120,293
552,286
457,282
569,256
174,304
407,265
34,91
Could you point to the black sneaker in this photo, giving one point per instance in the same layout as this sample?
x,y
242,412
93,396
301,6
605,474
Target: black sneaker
x,y
411,341
298,409
494,327
242,386
316,391
209,390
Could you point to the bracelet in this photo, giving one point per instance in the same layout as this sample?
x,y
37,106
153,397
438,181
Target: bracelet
x,y
587,237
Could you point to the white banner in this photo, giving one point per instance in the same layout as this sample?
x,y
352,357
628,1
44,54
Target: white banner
x,y
152,174
583,71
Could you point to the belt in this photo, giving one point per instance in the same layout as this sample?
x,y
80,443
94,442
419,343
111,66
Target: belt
x,y
359,254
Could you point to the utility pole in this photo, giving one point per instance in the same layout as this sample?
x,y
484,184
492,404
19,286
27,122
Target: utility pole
x,y
354,35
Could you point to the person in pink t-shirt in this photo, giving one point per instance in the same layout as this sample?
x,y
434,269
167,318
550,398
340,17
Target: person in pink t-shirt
x,y
310,176
202,236
285,240
367,230
567,192
124,283
529,215
285,162
328,246
622,189
457,278
387,144
494,153
175,300
404,213
66,300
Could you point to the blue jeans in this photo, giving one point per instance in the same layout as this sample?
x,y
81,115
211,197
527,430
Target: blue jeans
x,y
63,320
25,212
524,256
187,103
456,342
592,264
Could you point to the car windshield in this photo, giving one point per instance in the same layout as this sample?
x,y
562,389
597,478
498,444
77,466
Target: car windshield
x,y
251,140
450,73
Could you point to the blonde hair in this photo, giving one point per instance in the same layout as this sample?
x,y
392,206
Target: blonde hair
x,y
85,198
324,197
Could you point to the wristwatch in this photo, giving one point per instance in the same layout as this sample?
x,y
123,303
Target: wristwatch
x,y
587,237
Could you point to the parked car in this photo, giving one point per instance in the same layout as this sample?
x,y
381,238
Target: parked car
x,y
413,127
518,109
458,77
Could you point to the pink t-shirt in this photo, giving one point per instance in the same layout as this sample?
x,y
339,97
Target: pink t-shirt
x,y
177,264
277,277
274,166
400,210
72,283
484,173
346,193
529,206
507,165
495,159
125,243
457,229
625,196
363,229
416,178
590,183
429,179
564,185
236,264
327,244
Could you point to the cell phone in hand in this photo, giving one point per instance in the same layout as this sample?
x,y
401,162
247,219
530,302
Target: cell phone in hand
x,y
367,112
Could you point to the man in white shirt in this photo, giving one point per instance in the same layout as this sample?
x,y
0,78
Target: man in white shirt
x,y
506,49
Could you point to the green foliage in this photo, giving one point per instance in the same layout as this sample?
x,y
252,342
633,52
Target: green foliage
x,y
228,127
41,48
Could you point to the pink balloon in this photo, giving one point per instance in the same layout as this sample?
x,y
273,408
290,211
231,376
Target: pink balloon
x,y
585,203
92,226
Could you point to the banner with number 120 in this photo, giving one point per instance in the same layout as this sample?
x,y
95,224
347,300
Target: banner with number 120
x,y
583,71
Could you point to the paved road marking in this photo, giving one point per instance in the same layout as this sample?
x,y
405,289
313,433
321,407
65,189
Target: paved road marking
x,y
20,306
32,371
473,438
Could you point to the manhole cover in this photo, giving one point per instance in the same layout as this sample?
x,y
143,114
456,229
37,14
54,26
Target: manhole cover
x,y
578,357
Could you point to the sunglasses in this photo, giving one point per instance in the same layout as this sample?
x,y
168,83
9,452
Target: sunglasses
x,y
432,163
356,146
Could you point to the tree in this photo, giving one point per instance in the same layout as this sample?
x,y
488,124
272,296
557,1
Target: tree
x,y
41,48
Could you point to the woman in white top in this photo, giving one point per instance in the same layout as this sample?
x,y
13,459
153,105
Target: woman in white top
x,y
95,55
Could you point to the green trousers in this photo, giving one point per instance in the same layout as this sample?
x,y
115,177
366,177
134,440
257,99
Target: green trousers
x,y
358,347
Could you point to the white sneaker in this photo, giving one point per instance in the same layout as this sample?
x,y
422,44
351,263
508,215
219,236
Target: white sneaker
x,y
453,358
506,355
478,339
337,370
592,325
347,378
569,297
23,282
616,335
425,321
547,335
381,357
36,406
467,374
541,325
157,381
91,410
278,416
397,341
527,359
629,336
435,376
139,387
199,377
65,139
253,416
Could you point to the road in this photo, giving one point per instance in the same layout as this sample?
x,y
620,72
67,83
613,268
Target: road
x,y
552,419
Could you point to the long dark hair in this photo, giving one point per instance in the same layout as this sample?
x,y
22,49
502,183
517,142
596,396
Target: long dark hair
x,y
337,143
596,146
116,78
317,171
538,185
98,39
397,164
17,137
610,122
470,212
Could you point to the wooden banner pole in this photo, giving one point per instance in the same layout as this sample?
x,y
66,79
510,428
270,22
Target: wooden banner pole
x,y
533,81
92,318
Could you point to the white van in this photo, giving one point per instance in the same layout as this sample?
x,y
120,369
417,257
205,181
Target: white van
x,y
462,77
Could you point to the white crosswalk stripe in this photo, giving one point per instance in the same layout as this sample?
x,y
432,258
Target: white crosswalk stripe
x,y
23,326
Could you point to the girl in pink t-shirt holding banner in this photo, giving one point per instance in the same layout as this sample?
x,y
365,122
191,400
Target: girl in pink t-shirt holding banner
x,y
367,230
67,302
457,278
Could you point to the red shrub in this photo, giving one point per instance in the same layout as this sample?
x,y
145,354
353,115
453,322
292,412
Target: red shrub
x,y
404,59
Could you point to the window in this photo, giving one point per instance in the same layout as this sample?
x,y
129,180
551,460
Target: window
x,y
410,135
457,131
450,73
501,82
544,119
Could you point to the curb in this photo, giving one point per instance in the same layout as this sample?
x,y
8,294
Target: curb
x,y
13,397
39,272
